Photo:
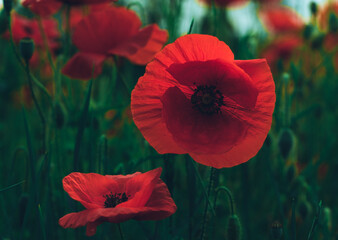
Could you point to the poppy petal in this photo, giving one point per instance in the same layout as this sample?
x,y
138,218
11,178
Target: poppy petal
x,y
141,187
146,105
89,189
199,132
231,80
144,45
259,119
81,66
102,31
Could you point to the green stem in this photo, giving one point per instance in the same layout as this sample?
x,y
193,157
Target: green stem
x,y
42,117
210,186
120,230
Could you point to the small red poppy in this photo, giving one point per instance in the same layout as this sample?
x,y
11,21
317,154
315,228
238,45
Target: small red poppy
x,y
83,2
195,98
224,3
43,8
282,48
116,198
281,19
114,31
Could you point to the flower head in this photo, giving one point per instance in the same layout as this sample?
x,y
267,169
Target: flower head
x,y
113,31
43,8
116,198
82,2
195,98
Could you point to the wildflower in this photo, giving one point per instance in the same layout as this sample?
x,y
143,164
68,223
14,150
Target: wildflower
x,y
82,2
114,31
195,98
281,19
43,8
116,198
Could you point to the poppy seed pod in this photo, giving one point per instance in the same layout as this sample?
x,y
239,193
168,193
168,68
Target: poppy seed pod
x,y
314,8
234,228
26,48
8,4
276,230
285,142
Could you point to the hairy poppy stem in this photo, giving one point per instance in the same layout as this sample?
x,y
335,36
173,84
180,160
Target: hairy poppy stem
x,y
42,117
120,230
205,221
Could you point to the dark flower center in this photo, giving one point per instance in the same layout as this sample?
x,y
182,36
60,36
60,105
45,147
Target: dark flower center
x,y
207,99
112,200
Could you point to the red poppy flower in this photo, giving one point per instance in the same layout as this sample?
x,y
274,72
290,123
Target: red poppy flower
x,y
114,31
224,3
116,198
195,98
43,8
281,19
82,2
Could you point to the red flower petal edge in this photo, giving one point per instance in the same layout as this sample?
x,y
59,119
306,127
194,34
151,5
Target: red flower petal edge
x,y
195,98
139,196
113,31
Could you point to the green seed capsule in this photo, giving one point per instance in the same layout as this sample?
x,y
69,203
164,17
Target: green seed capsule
x,y
313,8
234,228
26,49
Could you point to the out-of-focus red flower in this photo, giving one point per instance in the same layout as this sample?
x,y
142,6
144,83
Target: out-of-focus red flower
x,y
280,19
114,31
82,2
268,1
195,98
43,8
224,3
282,48
324,14
26,27
116,198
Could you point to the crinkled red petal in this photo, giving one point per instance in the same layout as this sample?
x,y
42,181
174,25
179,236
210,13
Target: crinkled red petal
x,y
89,188
258,119
197,132
84,66
146,105
228,78
142,48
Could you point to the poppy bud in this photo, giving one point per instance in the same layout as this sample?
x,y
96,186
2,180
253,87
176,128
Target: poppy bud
x,y
313,8
333,23
234,228
326,218
26,48
276,230
8,6
285,142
